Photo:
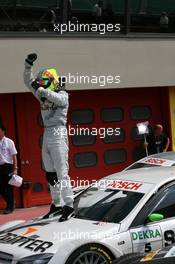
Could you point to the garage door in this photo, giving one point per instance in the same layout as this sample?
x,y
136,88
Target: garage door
x,y
92,157
30,131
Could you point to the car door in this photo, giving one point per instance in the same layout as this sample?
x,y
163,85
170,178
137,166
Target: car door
x,y
146,238
166,207
152,234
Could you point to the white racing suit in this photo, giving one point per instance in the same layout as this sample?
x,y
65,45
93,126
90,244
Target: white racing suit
x,y
55,140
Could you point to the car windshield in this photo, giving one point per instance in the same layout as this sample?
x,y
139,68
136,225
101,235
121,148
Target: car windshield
x,y
109,205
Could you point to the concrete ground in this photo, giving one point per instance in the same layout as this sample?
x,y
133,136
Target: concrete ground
x,y
27,213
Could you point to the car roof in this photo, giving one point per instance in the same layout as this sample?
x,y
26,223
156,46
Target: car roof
x,y
170,155
155,175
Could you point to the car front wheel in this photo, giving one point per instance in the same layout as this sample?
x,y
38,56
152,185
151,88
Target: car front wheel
x,y
90,254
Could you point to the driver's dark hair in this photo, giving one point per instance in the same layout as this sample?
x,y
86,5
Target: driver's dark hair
x,y
2,127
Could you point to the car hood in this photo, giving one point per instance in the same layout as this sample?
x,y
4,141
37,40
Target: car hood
x,y
48,236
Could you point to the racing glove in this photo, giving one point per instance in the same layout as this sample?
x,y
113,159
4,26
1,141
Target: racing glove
x,y
35,85
39,90
31,58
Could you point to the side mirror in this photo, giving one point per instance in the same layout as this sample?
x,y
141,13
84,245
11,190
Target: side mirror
x,y
155,217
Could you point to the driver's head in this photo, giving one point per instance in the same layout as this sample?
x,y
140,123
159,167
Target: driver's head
x,y
158,129
2,131
48,78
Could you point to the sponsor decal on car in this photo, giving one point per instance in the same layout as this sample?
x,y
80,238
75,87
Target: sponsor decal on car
x,y
158,162
30,243
125,185
129,186
146,234
29,231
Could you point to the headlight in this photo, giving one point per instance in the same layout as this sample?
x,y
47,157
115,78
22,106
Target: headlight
x,y
36,259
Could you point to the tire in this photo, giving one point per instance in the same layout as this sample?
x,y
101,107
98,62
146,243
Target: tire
x,y
130,258
91,252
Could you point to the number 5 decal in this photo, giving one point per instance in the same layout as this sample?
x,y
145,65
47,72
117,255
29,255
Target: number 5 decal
x,y
148,247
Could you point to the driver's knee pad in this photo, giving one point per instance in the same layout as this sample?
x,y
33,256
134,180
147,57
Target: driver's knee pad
x,y
52,178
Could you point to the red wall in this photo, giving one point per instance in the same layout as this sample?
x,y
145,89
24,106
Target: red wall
x,y
27,130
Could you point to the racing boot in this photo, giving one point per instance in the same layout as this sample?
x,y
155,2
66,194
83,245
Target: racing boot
x,y
53,209
67,213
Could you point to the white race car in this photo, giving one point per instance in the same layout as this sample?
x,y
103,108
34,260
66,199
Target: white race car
x,y
131,211
163,159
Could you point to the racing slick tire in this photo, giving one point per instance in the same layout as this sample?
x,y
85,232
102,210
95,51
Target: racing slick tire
x,y
91,253
130,258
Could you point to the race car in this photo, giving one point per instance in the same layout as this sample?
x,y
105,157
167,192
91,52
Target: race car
x,y
163,159
161,256
126,212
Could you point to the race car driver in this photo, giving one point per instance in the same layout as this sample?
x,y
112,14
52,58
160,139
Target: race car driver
x,y
54,106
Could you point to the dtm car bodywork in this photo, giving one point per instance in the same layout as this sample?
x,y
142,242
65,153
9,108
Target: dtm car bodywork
x,y
131,211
